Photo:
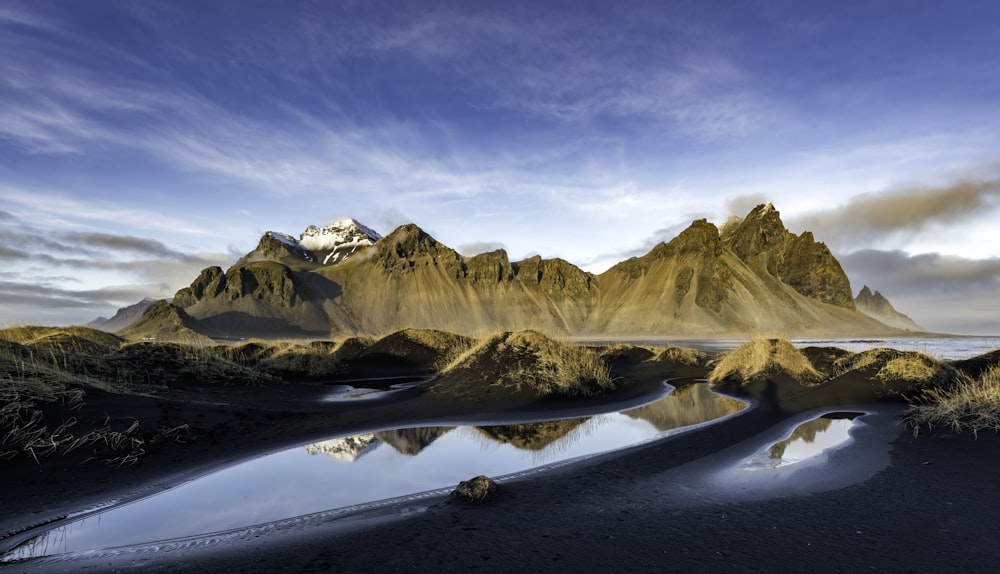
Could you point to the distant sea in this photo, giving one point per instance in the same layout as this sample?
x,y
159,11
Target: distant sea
x,y
937,347
948,347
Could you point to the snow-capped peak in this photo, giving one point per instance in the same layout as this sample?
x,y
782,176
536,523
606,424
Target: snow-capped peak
x,y
335,242
347,449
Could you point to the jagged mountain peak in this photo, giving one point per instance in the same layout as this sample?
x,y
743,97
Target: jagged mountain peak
x,y
327,245
340,236
410,239
762,241
701,237
877,306
758,233
338,241
277,245
407,243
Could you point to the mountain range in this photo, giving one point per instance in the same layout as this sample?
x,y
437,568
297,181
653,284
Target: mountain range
x,y
750,276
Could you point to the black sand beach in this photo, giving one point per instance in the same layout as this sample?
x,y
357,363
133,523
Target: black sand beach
x,y
887,502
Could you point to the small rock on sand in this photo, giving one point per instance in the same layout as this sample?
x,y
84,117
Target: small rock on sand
x,y
478,490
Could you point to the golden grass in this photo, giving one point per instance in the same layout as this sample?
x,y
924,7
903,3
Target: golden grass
x,y
906,371
419,346
761,358
314,360
530,360
46,373
967,405
682,355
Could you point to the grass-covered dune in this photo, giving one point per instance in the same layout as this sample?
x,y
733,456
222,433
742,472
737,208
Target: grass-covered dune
x,y
522,361
56,381
86,417
967,404
955,396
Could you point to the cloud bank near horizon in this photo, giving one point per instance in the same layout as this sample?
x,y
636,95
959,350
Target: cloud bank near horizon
x,y
55,268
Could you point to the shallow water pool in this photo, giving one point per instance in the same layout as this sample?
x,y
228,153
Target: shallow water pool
x,y
345,471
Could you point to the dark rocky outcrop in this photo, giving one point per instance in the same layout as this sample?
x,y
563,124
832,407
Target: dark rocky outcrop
x,y
798,261
275,246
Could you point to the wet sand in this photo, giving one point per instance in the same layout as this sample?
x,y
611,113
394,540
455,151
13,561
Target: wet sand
x,y
910,504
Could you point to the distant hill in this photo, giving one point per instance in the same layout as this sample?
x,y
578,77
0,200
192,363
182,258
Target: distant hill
x,y
123,318
877,306
753,276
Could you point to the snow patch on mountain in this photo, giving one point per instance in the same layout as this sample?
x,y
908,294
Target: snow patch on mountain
x,y
346,449
337,241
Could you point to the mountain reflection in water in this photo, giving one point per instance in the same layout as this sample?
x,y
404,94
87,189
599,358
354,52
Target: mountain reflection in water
x,y
689,405
808,440
380,465
686,406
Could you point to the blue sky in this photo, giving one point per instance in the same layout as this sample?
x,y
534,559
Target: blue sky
x,y
143,141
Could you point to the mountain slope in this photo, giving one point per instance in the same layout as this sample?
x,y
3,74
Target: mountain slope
x,y
752,277
696,284
123,317
409,279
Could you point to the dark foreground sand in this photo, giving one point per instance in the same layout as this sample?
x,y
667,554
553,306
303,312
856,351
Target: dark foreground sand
x,y
892,503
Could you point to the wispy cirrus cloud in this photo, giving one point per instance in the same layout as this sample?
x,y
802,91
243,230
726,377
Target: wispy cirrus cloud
x,y
575,67
46,209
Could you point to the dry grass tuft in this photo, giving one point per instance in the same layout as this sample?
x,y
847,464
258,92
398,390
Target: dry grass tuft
x,y
426,347
530,360
682,355
148,365
907,369
967,405
314,360
901,372
761,358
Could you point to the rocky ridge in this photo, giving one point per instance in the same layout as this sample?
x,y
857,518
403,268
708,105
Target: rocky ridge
x,y
321,245
753,276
